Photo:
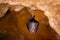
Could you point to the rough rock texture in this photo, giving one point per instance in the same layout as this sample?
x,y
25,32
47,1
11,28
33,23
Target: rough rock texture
x,y
14,24
53,15
50,7
3,9
33,4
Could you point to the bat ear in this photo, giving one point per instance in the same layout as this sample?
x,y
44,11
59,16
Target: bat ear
x,y
3,9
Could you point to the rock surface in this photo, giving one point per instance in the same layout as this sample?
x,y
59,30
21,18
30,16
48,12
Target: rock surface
x,y
14,23
53,15
50,7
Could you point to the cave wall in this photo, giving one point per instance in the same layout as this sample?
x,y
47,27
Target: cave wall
x,y
14,25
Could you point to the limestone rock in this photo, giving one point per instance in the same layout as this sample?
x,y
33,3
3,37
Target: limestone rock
x,y
3,9
53,15
50,7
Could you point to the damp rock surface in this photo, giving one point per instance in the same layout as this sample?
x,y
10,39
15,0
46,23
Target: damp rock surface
x,y
15,25
53,15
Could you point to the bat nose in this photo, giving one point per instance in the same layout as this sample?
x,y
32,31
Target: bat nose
x,y
32,25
